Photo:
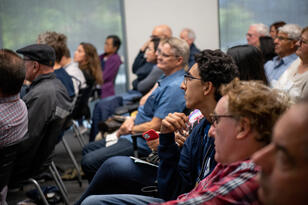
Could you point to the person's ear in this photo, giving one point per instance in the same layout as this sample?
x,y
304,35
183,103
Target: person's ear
x,y
207,87
243,128
179,60
36,66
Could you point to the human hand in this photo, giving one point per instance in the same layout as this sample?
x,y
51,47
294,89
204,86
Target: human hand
x,y
173,122
153,144
126,127
180,137
145,45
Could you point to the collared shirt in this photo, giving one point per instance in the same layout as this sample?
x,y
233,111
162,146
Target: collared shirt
x,y
167,98
13,120
227,184
275,68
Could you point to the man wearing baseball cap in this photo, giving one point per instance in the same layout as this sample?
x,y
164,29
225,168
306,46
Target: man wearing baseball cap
x,y
48,105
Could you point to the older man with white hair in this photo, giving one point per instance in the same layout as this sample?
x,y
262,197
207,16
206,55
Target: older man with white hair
x,y
285,47
256,31
189,36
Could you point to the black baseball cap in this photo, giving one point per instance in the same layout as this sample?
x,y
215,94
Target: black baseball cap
x,y
41,53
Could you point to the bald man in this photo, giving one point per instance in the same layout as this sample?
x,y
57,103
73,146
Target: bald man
x,y
160,31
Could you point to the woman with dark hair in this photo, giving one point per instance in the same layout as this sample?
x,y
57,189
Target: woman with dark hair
x,y
88,60
110,63
249,60
274,28
267,48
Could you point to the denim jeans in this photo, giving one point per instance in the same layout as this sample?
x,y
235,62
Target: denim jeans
x,y
119,175
119,199
96,153
103,109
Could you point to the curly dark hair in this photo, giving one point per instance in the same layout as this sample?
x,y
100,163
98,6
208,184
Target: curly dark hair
x,y
217,67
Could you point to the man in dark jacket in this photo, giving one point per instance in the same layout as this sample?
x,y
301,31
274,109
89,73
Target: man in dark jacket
x,y
48,104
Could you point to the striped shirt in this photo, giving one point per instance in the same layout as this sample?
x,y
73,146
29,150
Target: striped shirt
x,y
13,120
227,184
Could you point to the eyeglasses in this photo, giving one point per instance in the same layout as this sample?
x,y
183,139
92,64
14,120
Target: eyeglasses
x,y
215,118
160,53
281,38
301,40
190,77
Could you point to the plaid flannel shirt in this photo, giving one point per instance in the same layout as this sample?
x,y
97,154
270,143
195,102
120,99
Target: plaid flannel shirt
x,y
227,184
13,120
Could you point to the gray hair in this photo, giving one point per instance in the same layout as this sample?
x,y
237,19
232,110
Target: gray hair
x,y
261,28
179,48
190,33
293,30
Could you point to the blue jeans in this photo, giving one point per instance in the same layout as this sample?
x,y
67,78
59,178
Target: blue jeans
x,y
119,175
103,109
96,153
119,199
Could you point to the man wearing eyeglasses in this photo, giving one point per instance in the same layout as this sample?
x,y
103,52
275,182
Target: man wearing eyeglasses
x,y
285,47
294,80
255,31
242,124
166,97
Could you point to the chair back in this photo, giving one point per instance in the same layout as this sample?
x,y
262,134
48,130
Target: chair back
x,y
8,156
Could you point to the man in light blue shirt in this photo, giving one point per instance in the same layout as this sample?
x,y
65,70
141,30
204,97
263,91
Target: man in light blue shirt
x,y
285,47
165,97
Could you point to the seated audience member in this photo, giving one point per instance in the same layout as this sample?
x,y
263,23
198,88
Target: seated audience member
x,y
267,48
249,61
274,28
285,47
56,41
189,36
179,169
255,31
160,31
110,62
13,111
106,107
284,163
66,62
295,79
242,124
167,97
47,101
88,61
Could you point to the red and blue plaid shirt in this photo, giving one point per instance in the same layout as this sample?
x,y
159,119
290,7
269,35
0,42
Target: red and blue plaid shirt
x,y
227,184
13,120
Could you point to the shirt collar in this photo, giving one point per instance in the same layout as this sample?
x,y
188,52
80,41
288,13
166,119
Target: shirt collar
x,y
168,79
11,98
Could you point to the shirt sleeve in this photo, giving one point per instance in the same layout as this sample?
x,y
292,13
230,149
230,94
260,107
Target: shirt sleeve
x,y
139,61
236,188
175,168
171,100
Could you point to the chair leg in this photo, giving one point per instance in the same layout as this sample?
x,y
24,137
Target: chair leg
x,y
78,134
59,182
36,184
70,153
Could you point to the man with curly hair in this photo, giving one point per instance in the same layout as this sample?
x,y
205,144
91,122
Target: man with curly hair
x,y
241,124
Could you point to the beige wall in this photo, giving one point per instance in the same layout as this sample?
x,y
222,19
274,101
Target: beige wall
x,y
142,15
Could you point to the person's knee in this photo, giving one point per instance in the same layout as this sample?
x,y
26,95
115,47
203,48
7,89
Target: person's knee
x,y
90,200
117,166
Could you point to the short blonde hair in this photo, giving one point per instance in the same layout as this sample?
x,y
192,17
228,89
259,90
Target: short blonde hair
x,y
259,103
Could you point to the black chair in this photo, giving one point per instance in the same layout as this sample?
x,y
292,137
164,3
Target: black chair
x,y
8,156
35,155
